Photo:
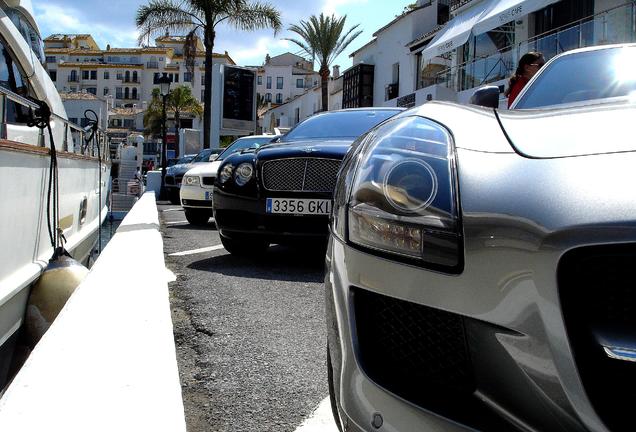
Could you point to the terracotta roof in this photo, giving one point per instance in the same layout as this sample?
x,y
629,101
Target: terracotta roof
x,y
126,111
60,36
78,96
89,65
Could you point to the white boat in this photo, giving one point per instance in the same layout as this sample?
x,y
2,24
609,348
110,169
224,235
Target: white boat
x,y
25,158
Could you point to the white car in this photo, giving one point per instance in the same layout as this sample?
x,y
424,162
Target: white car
x,y
196,187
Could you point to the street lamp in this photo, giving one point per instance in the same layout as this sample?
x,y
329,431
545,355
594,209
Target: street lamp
x,y
164,89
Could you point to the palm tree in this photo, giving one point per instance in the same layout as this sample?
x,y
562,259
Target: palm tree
x,y
323,37
200,18
179,101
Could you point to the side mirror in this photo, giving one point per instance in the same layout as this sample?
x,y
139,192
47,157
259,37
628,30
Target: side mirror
x,y
213,157
486,96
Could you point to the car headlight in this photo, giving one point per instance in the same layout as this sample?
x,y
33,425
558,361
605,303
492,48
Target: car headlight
x,y
226,173
403,195
191,180
244,173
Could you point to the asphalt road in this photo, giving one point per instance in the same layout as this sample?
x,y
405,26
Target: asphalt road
x,y
250,334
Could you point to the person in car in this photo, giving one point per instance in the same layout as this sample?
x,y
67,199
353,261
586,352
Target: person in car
x,y
529,65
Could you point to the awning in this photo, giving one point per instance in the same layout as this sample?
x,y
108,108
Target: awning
x,y
457,31
504,11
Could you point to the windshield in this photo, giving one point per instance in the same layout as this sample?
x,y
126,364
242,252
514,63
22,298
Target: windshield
x,y
342,124
184,160
244,143
590,75
204,155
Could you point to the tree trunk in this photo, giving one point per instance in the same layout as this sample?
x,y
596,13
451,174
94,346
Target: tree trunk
x,y
207,92
324,82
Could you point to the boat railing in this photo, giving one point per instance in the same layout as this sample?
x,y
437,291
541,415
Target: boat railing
x,y
74,138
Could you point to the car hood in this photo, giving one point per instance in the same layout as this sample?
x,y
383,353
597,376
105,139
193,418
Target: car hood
x,y
205,169
329,149
576,131
181,169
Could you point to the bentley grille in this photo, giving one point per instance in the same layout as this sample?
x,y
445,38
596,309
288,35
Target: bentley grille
x,y
301,174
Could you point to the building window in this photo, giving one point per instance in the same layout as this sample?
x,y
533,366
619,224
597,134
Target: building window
x,y
85,75
187,77
127,76
155,77
279,82
73,120
129,123
118,93
105,91
127,93
94,75
279,98
53,75
134,93
50,59
106,75
268,97
259,80
300,83
269,82
120,75
202,95
135,77
202,79
91,90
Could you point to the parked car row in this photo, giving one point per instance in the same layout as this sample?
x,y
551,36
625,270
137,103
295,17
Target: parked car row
x,y
479,270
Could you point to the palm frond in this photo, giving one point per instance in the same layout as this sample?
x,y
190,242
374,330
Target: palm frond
x,y
165,15
252,15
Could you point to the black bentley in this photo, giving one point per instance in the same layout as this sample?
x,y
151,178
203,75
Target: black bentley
x,y
282,192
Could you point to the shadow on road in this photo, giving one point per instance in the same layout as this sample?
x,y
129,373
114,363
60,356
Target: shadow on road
x,y
278,263
210,226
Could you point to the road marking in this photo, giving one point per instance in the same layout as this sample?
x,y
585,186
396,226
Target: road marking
x,y
173,209
197,251
321,420
178,222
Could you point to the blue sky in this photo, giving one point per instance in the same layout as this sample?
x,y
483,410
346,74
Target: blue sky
x,y
113,22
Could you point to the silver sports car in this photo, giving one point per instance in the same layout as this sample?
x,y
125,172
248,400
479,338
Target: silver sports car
x,y
481,271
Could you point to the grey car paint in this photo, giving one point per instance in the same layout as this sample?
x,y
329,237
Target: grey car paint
x,y
520,215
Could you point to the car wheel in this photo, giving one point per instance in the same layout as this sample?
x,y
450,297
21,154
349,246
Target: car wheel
x,y
197,217
335,410
244,247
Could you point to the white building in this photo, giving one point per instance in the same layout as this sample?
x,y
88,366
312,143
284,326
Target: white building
x,y
445,49
126,75
284,77
299,107
76,105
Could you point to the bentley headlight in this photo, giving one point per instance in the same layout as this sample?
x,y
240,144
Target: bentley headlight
x,y
226,173
243,173
403,197
191,180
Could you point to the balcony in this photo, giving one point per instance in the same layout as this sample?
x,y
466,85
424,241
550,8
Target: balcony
x,y
74,79
130,80
609,27
120,96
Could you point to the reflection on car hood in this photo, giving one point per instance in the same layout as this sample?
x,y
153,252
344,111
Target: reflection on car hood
x,y
593,129
205,169
310,148
181,169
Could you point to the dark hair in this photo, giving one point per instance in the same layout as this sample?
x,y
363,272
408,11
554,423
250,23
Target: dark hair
x,y
525,60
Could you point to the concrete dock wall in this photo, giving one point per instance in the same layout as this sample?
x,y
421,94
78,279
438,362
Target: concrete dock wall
x,y
108,362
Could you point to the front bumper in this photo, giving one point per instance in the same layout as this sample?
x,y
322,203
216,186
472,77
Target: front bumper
x,y
239,216
196,197
508,340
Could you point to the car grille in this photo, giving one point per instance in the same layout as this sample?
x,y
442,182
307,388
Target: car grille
x,y
598,297
300,174
208,181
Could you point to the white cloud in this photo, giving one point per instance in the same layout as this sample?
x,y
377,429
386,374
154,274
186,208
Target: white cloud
x,y
331,6
254,53
55,19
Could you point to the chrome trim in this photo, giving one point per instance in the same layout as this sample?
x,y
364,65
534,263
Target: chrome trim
x,y
262,178
619,353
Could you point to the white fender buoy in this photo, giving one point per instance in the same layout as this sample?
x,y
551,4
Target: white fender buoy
x,y
50,293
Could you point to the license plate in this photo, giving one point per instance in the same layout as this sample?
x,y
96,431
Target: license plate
x,y
298,206
208,195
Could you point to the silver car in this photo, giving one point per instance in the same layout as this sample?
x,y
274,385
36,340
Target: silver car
x,y
481,270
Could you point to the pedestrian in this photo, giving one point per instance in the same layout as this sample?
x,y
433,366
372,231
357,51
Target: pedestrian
x,y
529,65
138,174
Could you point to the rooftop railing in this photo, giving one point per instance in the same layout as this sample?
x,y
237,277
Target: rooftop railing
x,y
616,25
